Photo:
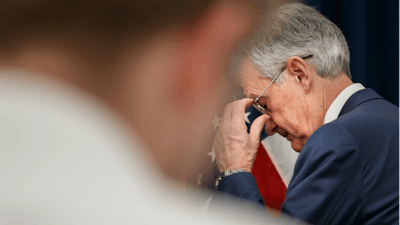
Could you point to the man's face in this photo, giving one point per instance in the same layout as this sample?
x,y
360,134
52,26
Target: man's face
x,y
287,105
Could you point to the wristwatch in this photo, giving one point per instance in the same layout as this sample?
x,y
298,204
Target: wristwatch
x,y
224,174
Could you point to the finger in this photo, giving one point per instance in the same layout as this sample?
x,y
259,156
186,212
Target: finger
x,y
270,126
238,110
256,128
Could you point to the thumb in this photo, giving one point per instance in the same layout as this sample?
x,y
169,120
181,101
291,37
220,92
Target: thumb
x,y
256,128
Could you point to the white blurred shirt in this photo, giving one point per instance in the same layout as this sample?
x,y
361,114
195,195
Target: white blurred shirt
x,y
66,159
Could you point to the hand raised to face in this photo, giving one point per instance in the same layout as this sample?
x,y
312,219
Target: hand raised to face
x,y
234,147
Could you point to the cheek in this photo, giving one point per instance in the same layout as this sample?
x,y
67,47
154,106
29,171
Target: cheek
x,y
281,119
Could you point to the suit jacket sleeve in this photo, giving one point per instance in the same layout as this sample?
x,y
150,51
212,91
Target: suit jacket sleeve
x,y
242,185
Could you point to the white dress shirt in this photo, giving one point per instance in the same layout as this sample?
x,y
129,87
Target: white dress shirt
x,y
337,105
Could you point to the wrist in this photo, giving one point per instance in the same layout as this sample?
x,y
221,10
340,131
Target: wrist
x,y
227,173
231,168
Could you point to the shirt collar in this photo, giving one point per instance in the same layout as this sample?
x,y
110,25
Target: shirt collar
x,y
337,105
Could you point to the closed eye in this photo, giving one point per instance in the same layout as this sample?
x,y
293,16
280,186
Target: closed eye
x,y
264,105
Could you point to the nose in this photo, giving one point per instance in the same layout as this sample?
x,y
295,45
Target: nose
x,y
282,132
270,126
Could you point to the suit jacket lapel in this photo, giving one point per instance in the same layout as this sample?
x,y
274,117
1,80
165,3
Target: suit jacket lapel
x,y
358,98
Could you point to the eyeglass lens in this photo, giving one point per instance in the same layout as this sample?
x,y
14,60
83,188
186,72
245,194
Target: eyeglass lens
x,y
259,108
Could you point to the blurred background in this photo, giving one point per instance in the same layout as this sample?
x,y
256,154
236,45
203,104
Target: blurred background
x,y
372,32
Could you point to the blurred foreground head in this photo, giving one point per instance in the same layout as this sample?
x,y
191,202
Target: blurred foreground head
x,y
160,65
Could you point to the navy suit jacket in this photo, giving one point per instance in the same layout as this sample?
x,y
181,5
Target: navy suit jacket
x,y
348,170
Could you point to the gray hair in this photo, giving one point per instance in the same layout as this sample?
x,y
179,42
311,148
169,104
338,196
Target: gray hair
x,y
298,29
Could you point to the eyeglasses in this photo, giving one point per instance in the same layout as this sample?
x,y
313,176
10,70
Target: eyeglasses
x,y
257,105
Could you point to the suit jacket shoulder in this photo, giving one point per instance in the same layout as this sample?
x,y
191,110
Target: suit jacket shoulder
x,y
347,172
327,174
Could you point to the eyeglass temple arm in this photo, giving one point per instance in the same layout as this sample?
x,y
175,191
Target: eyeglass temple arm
x,y
267,87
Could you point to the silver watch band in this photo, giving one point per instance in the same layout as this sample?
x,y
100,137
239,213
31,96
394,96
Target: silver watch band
x,y
224,174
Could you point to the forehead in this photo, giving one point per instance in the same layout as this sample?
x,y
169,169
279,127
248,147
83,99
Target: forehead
x,y
253,82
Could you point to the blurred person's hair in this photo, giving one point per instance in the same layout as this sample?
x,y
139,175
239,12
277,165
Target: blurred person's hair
x,y
296,29
104,22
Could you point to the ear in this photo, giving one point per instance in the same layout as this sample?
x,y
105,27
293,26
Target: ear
x,y
300,71
205,43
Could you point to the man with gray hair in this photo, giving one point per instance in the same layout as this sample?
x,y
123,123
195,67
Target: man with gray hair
x,y
296,73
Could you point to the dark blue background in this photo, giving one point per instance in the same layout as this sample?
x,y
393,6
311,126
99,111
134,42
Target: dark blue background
x,y
372,32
